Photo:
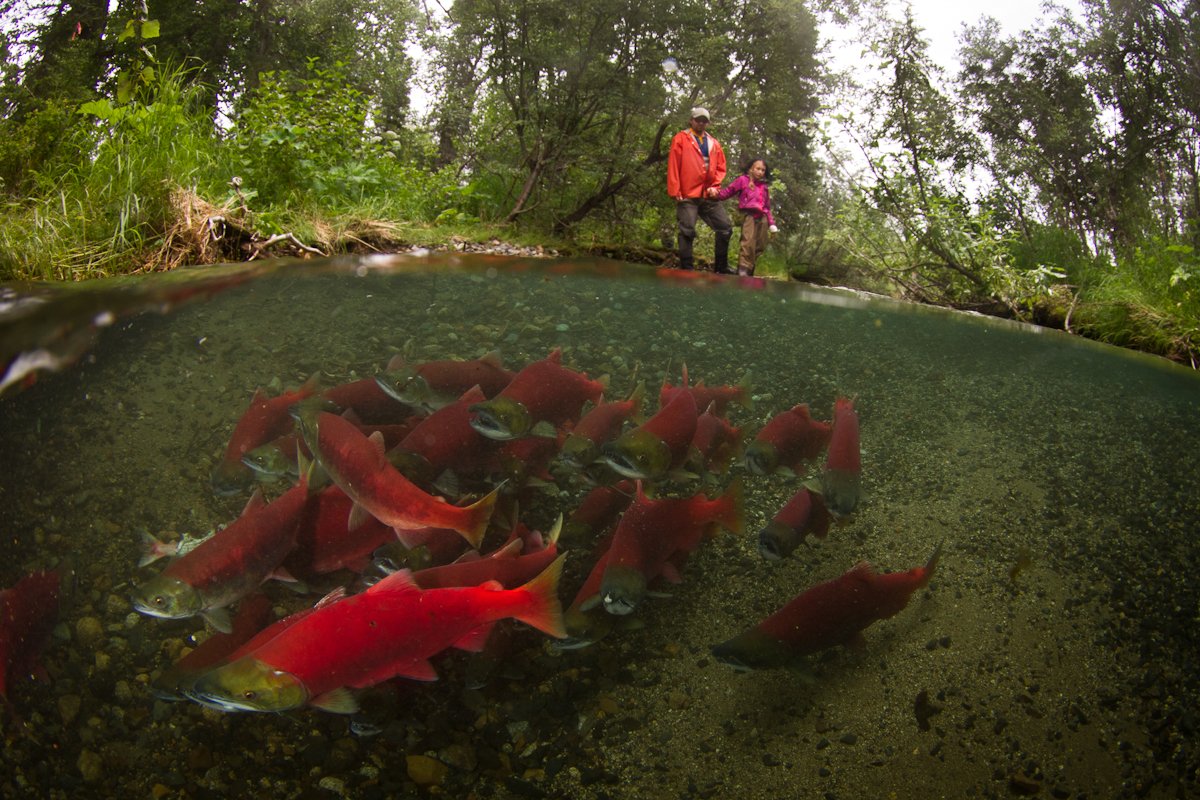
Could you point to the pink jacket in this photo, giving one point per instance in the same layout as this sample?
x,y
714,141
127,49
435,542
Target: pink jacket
x,y
753,197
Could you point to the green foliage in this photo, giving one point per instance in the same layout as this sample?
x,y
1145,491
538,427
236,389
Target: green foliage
x,y
99,215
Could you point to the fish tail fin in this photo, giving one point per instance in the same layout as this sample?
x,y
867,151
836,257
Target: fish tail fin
x,y
745,396
544,610
480,514
733,515
931,565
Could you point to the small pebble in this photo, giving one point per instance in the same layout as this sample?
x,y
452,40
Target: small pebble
x,y
91,766
89,631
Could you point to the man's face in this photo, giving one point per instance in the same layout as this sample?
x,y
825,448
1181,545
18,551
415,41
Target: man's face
x,y
699,124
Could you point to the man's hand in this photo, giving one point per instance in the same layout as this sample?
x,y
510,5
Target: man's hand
x,y
711,192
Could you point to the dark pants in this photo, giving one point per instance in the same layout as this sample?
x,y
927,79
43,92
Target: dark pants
x,y
714,216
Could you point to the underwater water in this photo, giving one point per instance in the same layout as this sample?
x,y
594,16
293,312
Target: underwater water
x,y
1056,651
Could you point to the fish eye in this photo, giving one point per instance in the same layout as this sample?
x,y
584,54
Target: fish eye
x,y
249,694
159,600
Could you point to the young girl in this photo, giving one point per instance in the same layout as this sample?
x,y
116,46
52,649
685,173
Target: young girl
x,y
754,201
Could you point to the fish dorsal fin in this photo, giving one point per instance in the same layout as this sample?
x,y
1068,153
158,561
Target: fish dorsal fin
x,y
394,363
331,598
260,396
376,440
475,639
254,503
336,701
555,356
493,359
684,383
862,570
351,416
219,619
473,395
508,550
551,537
467,557
358,515
639,494
399,581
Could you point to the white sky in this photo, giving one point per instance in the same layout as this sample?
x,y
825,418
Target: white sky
x,y
943,20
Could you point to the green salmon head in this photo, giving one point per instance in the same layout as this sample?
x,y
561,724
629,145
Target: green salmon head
x,y
842,490
249,685
406,386
777,541
231,477
639,454
268,462
168,598
501,418
578,451
622,590
762,457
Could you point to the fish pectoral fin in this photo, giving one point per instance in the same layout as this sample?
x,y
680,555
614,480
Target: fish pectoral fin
x,y
670,573
419,671
590,603
658,595
358,515
376,439
475,639
544,429
337,701
219,619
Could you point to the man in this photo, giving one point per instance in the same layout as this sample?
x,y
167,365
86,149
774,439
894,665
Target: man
x,y
695,169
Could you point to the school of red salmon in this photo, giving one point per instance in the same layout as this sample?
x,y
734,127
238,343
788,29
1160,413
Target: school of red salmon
x,y
409,490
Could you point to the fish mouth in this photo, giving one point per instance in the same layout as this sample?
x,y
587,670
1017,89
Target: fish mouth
x,y
215,702
623,464
768,549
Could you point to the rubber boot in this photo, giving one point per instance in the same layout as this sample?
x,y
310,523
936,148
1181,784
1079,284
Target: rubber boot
x,y
721,261
685,262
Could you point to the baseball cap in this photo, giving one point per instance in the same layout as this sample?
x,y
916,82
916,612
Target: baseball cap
x,y
700,111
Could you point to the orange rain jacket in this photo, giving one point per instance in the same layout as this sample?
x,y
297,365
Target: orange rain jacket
x,y
685,166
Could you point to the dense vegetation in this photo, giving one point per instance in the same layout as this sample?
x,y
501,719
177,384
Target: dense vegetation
x,y
1056,176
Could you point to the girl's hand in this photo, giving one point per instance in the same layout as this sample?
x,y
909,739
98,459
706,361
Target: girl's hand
x,y
772,230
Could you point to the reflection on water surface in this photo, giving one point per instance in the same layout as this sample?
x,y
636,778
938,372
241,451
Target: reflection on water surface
x,y
1054,652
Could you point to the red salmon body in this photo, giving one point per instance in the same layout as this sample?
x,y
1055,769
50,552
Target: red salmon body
x,y
445,439
828,614
718,396
598,511
715,442
357,465
802,516
370,403
600,425
264,420
504,567
841,479
455,377
324,541
228,565
658,445
787,441
28,613
390,630
544,394
651,532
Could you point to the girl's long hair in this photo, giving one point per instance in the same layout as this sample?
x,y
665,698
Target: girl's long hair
x,y
748,163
